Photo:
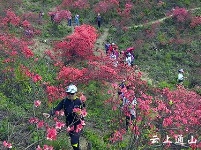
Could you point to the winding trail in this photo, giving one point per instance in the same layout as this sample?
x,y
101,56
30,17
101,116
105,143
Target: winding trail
x,y
159,20
100,41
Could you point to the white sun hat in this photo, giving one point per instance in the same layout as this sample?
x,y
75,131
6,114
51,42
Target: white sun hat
x,y
71,89
181,70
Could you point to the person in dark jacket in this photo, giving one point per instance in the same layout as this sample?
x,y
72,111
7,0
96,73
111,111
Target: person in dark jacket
x,y
73,119
99,19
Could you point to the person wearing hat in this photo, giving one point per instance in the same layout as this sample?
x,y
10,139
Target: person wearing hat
x,y
112,48
73,119
129,59
77,22
180,78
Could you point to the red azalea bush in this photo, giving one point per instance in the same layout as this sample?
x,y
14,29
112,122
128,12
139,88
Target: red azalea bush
x,y
105,6
181,14
78,45
60,15
75,4
164,112
196,21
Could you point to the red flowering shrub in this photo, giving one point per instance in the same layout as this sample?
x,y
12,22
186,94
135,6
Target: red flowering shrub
x,y
125,14
54,93
81,4
60,15
70,74
75,4
181,14
78,45
105,6
180,109
164,111
11,18
30,17
14,47
196,21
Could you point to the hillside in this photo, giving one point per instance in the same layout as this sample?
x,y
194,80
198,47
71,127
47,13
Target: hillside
x,y
40,56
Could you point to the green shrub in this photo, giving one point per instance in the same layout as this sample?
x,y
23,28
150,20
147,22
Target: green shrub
x,y
165,84
96,141
62,142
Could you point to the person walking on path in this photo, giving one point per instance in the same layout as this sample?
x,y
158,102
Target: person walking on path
x,y
129,59
74,118
129,110
107,45
180,78
99,20
40,17
77,20
69,19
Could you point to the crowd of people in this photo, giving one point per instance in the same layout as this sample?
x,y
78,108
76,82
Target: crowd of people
x,y
111,50
129,103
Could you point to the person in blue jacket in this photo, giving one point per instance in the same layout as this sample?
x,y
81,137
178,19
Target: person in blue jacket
x,y
77,21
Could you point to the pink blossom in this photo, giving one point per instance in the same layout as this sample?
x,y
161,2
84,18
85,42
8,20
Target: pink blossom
x,y
115,85
84,113
117,136
70,128
39,148
51,134
78,128
77,110
37,103
36,78
62,113
33,120
36,59
6,144
59,125
83,122
114,108
46,147
109,92
40,124
83,98
55,119
25,23
57,113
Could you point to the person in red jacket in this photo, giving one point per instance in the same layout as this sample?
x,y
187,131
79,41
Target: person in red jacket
x,y
112,48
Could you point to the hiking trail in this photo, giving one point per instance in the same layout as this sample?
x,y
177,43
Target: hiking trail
x,y
101,40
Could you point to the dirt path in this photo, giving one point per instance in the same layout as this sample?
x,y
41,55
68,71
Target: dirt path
x,y
101,40
159,20
99,45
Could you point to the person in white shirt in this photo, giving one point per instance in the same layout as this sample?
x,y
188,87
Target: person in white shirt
x,y
129,59
180,78
113,57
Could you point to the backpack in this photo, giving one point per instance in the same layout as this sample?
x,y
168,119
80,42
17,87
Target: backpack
x,y
107,45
